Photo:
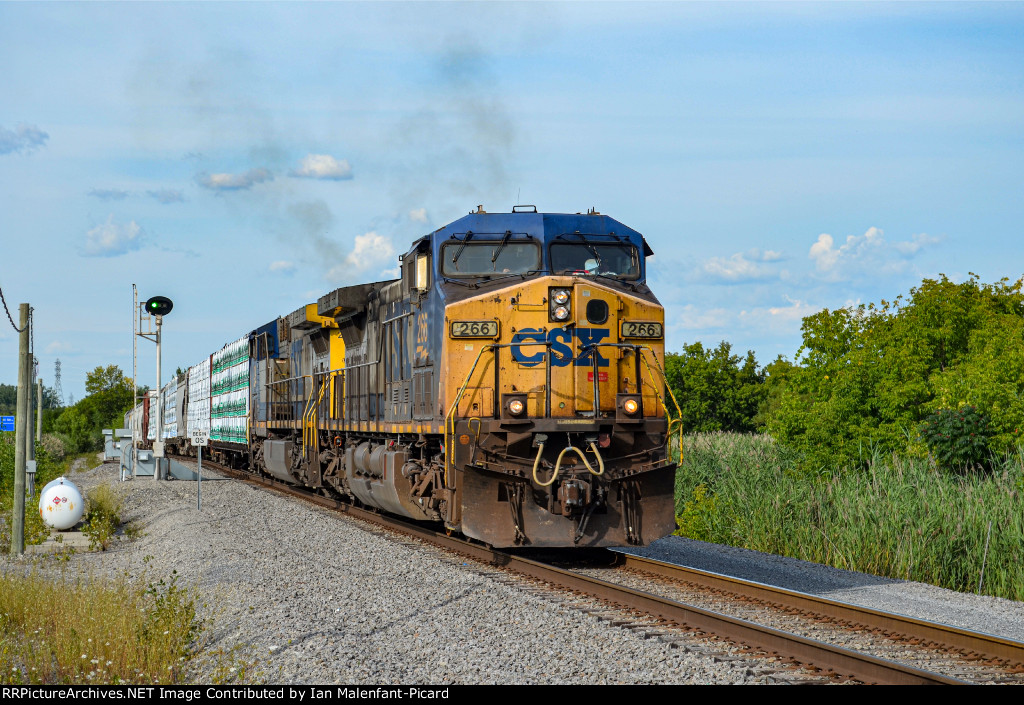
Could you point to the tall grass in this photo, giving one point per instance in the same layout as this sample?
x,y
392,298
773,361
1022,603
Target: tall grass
x,y
897,518
87,630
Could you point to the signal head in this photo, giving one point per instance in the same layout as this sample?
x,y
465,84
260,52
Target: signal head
x,y
159,306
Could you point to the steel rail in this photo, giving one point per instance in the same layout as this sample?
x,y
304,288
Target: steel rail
x,y
983,645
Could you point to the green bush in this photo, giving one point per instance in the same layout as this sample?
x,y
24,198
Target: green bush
x,y
55,446
958,438
699,515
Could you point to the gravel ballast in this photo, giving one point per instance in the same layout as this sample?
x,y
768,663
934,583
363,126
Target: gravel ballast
x,y
313,597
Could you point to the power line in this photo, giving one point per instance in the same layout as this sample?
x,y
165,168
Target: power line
x,y
18,330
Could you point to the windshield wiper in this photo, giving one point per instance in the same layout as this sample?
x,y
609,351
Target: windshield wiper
x,y
469,236
468,285
586,244
625,245
504,241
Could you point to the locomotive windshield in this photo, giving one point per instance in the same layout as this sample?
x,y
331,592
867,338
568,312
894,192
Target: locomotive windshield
x,y
488,257
614,260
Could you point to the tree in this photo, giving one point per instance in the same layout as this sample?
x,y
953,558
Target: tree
x,y
8,398
868,376
716,390
109,398
103,379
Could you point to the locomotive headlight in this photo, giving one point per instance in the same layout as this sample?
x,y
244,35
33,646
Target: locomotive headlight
x,y
630,406
513,408
561,306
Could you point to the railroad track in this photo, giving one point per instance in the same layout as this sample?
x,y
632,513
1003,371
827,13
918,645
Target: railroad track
x,y
959,654
799,637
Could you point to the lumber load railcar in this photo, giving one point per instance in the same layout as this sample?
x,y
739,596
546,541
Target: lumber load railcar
x,y
509,385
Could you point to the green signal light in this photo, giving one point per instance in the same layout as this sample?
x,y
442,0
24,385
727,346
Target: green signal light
x,y
159,305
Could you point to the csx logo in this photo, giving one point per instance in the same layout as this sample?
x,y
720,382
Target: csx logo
x,y
531,339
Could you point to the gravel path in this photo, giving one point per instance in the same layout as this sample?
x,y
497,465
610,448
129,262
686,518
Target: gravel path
x,y
315,598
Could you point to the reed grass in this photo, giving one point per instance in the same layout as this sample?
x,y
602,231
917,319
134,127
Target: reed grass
x,y
897,517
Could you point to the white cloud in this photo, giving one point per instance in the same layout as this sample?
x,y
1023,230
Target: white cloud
x,y
418,215
797,310
234,182
691,317
742,266
282,266
824,256
24,139
323,166
916,242
867,252
371,250
112,239
59,346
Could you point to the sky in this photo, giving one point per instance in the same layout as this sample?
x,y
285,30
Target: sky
x,y
244,159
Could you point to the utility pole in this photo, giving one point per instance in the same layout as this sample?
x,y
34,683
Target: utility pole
x,y
39,411
31,480
21,432
30,441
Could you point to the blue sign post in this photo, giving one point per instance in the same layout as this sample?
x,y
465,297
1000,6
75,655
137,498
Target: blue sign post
x,y
6,423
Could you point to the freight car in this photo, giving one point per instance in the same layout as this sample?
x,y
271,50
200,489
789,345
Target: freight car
x,y
508,385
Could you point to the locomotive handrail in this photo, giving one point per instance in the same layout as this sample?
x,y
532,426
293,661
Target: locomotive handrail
x,y
449,419
676,423
290,379
288,395
308,412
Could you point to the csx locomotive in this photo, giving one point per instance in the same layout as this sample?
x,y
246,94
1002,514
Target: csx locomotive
x,y
509,385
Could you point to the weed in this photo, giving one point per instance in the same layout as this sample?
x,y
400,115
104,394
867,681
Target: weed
x,y
231,666
103,517
133,530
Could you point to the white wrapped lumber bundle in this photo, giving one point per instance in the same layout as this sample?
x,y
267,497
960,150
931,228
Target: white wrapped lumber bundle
x,y
229,392
199,396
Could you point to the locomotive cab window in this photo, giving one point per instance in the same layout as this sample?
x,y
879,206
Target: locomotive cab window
x,y
614,260
489,257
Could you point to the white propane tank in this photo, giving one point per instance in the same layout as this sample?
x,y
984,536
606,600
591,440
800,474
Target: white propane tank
x,y
61,504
